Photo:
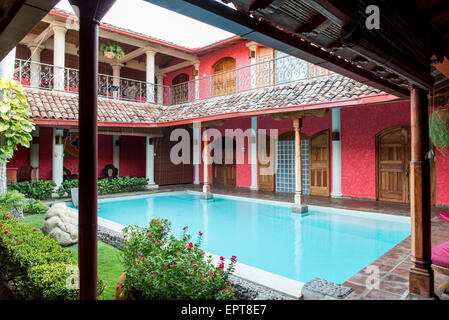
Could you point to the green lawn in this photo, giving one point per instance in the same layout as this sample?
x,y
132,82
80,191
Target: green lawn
x,y
109,266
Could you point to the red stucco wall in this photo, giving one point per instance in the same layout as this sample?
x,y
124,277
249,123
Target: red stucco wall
x,y
359,127
442,177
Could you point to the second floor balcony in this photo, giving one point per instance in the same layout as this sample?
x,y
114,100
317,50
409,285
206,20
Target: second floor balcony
x,y
279,71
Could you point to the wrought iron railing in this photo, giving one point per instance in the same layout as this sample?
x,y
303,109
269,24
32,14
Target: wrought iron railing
x,y
259,75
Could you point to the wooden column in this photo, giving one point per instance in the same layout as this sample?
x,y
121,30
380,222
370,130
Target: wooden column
x,y
206,195
88,154
298,206
421,273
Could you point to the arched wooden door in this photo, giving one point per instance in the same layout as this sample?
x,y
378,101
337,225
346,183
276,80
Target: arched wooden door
x,y
393,158
225,173
266,165
224,77
319,164
180,88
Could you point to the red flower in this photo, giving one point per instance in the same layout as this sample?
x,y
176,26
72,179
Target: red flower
x,y
221,265
166,267
6,231
185,228
195,267
200,233
221,258
190,245
34,229
150,234
174,266
233,258
230,289
153,275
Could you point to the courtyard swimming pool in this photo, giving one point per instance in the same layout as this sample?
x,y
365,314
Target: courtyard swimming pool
x,y
328,243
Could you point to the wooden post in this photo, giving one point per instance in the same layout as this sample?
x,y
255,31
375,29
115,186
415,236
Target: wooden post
x,y
421,273
88,155
206,194
298,207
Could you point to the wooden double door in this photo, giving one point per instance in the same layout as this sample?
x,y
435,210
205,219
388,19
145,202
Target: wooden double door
x,y
318,153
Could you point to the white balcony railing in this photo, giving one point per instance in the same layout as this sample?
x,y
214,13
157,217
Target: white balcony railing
x,y
263,74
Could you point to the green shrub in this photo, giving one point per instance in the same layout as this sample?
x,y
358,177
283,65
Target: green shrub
x,y
11,200
37,265
35,207
161,267
39,189
69,184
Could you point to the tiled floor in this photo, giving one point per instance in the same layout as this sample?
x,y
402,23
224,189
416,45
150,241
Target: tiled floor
x,y
393,266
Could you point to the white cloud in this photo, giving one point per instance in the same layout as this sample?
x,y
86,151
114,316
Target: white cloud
x,y
160,23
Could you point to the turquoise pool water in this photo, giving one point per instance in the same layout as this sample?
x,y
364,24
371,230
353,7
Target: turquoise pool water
x,y
324,243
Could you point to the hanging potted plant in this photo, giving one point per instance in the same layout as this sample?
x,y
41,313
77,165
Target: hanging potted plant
x,y
112,50
439,128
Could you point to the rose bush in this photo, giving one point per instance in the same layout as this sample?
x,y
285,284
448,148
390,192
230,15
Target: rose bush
x,y
160,266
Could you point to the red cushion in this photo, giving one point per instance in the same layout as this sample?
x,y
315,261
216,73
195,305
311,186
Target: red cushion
x,y
445,216
440,255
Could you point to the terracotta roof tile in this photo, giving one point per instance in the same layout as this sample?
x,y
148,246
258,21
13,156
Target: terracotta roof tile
x,y
64,106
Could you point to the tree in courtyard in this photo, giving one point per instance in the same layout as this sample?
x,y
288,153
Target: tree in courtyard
x,y
15,124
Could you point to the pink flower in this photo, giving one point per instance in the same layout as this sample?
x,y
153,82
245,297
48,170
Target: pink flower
x,y
185,238
166,267
153,275
190,245
228,281
224,290
165,220
191,260
174,266
221,258
150,234
222,271
200,233
195,267
147,263
221,265
185,228
230,289
233,258
162,227
165,232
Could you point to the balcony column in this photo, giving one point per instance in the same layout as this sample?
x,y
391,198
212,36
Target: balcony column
x,y
298,206
59,31
34,151
35,74
196,151
160,88
253,157
116,153
57,172
336,154
116,67
206,194
149,143
196,71
421,279
253,60
150,74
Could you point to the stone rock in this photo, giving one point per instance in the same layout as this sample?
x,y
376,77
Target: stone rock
x,y
319,289
61,223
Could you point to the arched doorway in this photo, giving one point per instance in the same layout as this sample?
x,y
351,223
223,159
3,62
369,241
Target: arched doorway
x,y
392,161
319,164
224,173
224,77
180,88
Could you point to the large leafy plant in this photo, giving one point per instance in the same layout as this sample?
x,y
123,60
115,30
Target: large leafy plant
x,y
15,124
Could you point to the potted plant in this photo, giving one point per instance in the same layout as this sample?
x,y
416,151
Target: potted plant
x,y
439,128
112,50
160,266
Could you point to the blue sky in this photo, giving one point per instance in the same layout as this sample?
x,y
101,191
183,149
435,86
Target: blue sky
x,y
154,21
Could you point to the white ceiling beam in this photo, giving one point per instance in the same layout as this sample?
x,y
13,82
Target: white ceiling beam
x,y
178,66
